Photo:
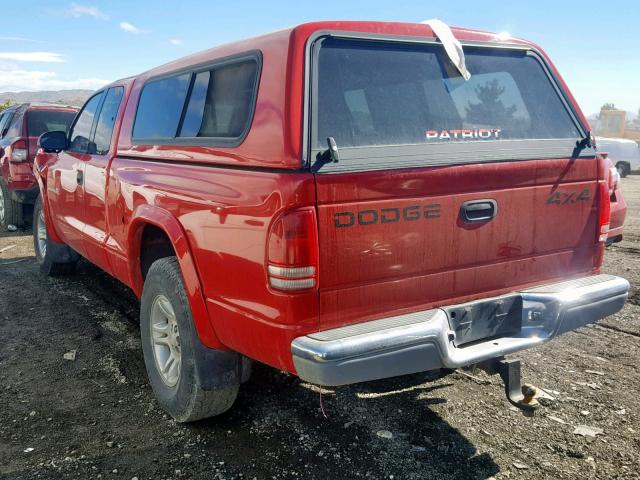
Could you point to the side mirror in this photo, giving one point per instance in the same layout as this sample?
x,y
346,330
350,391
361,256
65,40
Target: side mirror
x,y
53,141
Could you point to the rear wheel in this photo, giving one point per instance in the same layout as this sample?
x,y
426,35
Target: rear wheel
x,y
623,169
168,337
10,210
54,258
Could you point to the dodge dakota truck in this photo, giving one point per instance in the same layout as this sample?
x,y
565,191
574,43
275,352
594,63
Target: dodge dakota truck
x,y
344,201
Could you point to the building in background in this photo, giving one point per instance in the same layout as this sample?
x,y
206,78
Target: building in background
x,y
613,123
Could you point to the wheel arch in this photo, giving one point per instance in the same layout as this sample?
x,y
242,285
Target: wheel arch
x,y
147,217
40,172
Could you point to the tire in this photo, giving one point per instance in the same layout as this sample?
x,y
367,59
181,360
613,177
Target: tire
x,y
623,169
53,258
10,210
178,389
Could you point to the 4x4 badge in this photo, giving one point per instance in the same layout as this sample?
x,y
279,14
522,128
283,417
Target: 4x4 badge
x,y
563,198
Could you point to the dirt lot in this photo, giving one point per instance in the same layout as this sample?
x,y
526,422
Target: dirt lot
x,y
95,417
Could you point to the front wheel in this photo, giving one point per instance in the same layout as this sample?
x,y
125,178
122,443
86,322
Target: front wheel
x,y
168,344
54,258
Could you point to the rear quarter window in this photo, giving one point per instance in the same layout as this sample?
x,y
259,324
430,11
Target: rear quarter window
x,y
221,101
160,107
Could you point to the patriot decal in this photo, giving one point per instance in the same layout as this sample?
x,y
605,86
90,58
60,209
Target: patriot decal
x,y
469,134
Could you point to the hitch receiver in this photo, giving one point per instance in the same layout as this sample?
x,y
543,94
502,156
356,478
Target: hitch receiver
x,y
521,396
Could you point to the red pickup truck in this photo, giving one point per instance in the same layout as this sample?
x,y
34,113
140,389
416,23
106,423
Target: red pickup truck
x,y
338,201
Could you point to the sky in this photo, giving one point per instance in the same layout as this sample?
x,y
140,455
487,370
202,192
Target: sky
x,y
53,45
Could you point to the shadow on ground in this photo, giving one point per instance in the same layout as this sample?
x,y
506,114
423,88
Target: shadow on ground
x,y
276,428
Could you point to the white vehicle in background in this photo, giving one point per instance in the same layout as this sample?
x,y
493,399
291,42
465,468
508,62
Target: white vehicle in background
x,y
625,154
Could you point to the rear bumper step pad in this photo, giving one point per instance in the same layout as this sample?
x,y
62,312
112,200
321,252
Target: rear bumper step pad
x,y
429,340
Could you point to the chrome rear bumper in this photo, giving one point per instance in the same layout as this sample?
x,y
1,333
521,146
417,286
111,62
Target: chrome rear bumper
x,y
426,340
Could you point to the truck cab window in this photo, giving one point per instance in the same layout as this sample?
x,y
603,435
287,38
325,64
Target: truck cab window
x,y
80,138
107,119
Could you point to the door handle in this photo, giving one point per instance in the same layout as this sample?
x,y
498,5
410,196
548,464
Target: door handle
x,y
79,177
476,211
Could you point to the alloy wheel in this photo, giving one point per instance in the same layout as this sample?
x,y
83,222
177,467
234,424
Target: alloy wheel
x,y
1,205
165,340
41,232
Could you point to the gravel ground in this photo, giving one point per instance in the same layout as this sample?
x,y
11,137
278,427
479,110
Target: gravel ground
x,y
95,416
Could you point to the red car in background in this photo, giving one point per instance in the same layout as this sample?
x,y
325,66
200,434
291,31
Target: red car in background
x,y
20,127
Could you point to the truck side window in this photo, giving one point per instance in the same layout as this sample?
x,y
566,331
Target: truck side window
x,y
160,107
80,138
107,119
221,101
195,109
214,103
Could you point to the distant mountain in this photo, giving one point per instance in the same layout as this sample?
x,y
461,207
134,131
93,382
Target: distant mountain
x,y
65,97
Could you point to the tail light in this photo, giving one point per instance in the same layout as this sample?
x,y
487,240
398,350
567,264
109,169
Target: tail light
x,y
612,175
605,213
18,151
292,256
614,179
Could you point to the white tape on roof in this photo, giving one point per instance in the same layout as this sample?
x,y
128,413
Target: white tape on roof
x,y
451,45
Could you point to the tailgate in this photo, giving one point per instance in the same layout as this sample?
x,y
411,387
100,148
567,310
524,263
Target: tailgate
x,y
444,190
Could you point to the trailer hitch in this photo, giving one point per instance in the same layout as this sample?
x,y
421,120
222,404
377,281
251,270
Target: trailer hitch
x,y
521,396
